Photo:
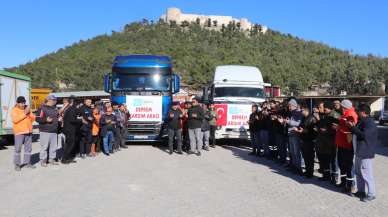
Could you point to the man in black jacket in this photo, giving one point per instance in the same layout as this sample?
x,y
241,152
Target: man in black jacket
x,y
174,128
194,122
366,133
86,128
48,127
71,125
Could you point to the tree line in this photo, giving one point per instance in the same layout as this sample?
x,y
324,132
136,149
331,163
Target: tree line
x,y
290,62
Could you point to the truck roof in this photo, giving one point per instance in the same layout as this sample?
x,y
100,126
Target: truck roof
x,y
237,73
140,60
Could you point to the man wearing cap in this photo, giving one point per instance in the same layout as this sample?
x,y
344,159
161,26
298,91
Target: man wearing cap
x,y
48,128
344,141
174,127
195,116
293,122
22,120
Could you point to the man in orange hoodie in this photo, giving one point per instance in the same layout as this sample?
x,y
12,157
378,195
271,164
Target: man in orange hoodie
x,y
344,141
22,119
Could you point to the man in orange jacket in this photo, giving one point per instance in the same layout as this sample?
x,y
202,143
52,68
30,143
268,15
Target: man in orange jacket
x,y
22,119
344,141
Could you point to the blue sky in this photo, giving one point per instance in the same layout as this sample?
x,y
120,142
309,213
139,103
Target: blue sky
x,y
30,29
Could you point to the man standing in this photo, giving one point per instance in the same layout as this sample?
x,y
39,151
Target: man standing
x,y
344,141
366,133
22,120
86,128
124,117
293,122
194,122
254,132
174,128
71,126
213,124
108,125
307,134
48,127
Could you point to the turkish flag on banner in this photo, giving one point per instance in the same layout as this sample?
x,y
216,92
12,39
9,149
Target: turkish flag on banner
x,y
222,111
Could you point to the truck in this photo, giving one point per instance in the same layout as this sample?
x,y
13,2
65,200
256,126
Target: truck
x,y
233,91
12,85
146,84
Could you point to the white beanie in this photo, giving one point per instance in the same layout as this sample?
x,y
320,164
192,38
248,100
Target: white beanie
x,y
346,104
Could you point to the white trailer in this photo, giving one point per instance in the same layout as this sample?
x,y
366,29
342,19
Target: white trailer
x,y
11,86
234,90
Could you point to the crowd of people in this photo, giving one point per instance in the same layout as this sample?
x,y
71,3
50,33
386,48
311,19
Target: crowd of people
x,y
341,138
192,126
80,129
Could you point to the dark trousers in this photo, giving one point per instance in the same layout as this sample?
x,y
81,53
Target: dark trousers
x,y
308,154
86,141
124,136
345,163
324,163
117,138
175,134
213,135
97,142
69,147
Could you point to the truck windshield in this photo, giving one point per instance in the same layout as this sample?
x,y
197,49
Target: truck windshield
x,y
142,78
239,92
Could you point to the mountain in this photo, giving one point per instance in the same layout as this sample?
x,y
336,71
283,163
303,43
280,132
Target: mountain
x,y
290,62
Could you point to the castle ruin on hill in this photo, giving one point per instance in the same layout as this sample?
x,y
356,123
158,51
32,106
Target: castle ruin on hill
x,y
210,21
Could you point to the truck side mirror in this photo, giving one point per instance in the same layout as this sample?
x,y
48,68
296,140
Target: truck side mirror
x,y
107,83
177,83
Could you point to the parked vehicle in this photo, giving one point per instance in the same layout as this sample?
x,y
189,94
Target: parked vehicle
x,y
234,90
12,85
145,83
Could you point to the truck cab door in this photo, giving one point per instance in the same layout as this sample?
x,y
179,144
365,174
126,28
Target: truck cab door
x,y
176,83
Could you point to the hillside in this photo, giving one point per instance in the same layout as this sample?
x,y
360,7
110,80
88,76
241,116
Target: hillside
x,y
290,62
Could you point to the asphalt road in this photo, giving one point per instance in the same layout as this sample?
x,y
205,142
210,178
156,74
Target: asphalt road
x,y
146,181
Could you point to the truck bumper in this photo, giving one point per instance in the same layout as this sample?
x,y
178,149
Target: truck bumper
x,y
224,133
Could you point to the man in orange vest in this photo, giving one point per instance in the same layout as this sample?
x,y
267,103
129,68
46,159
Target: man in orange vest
x,y
22,119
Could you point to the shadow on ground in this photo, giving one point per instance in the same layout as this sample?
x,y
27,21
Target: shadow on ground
x,y
242,152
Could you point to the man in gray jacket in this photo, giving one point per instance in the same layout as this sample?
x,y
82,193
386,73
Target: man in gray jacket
x,y
194,123
48,126
293,122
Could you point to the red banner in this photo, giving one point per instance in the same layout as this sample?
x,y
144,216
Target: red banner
x,y
222,111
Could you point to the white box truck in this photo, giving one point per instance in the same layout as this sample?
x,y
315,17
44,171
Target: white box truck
x,y
234,90
11,86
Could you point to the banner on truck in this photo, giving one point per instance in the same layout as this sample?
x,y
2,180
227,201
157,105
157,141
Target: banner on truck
x,y
145,108
233,115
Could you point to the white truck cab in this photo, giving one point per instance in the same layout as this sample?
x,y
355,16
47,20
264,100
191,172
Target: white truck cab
x,y
235,88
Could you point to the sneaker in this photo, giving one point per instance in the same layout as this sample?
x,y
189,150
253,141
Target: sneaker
x,y
170,152
359,194
124,146
43,164
18,168
30,166
179,152
368,198
199,153
53,162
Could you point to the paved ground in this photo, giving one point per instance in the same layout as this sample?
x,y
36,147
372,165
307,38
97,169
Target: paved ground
x,y
146,181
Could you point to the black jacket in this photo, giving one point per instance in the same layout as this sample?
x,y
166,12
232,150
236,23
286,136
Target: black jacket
x,y
70,121
309,133
174,123
253,122
366,132
86,112
205,122
195,122
44,112
105,127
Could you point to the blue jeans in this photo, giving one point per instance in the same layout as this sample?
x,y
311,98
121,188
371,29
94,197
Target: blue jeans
x,y
295,151
108,142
